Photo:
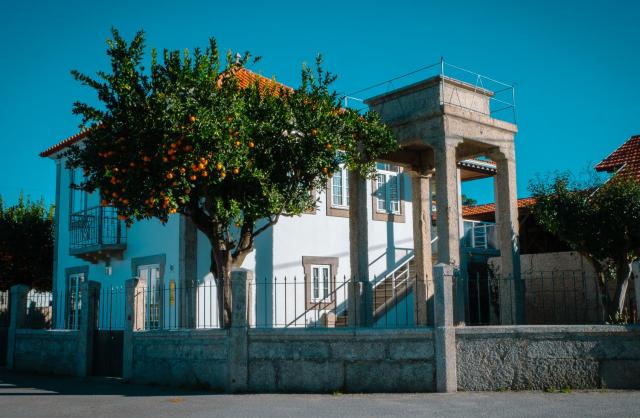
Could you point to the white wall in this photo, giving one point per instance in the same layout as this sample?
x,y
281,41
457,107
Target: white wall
x,y
278,254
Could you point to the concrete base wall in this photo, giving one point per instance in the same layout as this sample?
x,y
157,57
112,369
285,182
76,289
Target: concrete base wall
x,y
542,357
193,358
46,351
325,360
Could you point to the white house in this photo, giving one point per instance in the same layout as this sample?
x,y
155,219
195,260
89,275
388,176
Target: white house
x,y
301,264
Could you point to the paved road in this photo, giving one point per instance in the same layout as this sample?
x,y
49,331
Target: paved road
x,y
23,395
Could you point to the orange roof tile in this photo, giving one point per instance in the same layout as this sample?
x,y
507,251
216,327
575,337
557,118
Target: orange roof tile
x,y
491,207
626,159
245,78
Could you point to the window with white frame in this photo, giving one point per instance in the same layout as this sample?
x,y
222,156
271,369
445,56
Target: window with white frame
x,y
388,188
340,188
320,283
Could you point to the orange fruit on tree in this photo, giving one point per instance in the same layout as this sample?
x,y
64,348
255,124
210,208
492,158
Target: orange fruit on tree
x,y
237,143
223,175
183,170
236,170
251,144
201,166
104,202
325,170
169,175
192,119
172,211
329,146
204,173
193,177
314,132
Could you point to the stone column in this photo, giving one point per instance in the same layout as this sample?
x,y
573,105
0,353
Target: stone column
x,y
511,289
423,287
445,334
187,274
461,289
360,307
89,294
17,312
636,284
447,202
241,282
130,317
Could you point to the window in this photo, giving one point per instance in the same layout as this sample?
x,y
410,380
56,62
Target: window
x,y
387,188
150,276
74,301
340,188
78,200
338,193
319,274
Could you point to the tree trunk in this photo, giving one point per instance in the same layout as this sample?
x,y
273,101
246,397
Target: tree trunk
x,y
221,265
623,274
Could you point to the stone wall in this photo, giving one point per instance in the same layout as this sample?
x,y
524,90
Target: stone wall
x,y
193,358
328,360
542,357
46,351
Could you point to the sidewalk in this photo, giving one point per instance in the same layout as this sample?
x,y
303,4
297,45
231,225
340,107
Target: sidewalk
x,y
25,395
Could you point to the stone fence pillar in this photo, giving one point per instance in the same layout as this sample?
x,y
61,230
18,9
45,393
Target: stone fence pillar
x,y
241,314
89,298
130,319
445,334
17,312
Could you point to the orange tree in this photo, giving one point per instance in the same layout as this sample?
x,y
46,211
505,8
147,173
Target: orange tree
x,y
192,136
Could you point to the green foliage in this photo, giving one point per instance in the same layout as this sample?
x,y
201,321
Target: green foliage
x,y
468,201
26,244
602,222
193,136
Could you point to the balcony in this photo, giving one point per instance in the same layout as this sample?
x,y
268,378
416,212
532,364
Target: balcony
x,y
97,234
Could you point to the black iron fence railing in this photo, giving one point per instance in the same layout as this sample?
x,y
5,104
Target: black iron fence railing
x,y
97,227
543,298
4,308
169,306
110,311
319,302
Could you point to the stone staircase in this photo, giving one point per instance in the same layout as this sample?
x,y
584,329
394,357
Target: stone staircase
x,y
388,291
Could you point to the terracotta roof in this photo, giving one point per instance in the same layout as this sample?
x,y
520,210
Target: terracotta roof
x,y
626,159
245,77
491,207
65,143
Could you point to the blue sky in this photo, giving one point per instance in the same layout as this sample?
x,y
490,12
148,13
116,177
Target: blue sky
x,y
576,64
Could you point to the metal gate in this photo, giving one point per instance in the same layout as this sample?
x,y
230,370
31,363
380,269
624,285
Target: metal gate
x,y
108,337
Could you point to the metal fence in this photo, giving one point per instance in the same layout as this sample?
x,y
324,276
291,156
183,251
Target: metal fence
x,y
110,312
171,306
39,310
543,298
323,302
4,308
